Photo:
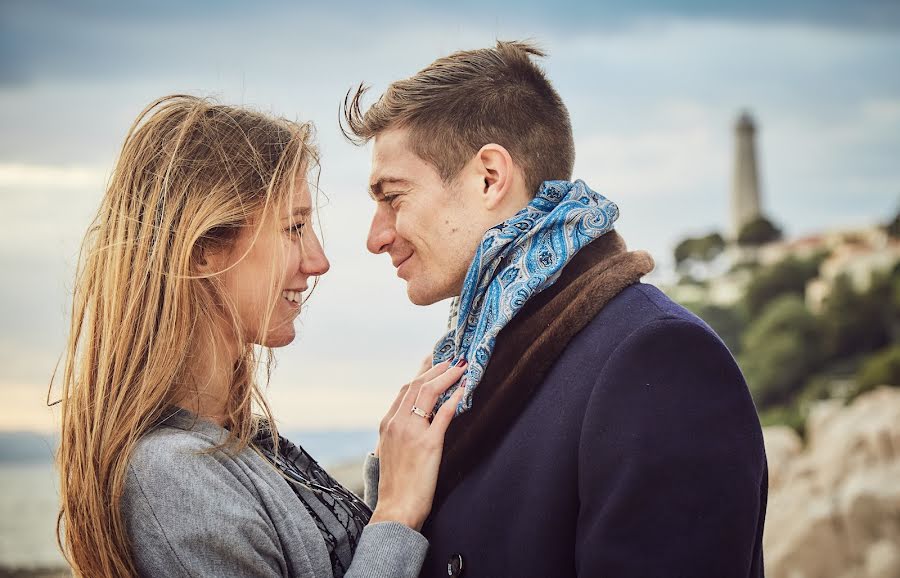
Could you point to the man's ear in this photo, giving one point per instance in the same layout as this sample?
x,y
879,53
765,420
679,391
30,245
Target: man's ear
x,y
499,174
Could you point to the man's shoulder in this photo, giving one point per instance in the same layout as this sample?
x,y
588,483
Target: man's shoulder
x,y
642,316
639,306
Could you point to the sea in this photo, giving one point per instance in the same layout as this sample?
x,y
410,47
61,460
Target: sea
x,y
29,496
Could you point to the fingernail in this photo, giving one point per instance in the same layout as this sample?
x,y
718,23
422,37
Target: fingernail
x,y
462,362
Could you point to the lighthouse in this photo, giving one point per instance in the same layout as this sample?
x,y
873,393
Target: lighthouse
x,y
745,194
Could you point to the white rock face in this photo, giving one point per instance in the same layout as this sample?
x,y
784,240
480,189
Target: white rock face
x,y
834,505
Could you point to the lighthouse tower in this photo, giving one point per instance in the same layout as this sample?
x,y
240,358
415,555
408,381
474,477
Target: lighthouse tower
x,y
745,201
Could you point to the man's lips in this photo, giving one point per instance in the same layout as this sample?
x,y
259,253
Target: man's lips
x,y
398,262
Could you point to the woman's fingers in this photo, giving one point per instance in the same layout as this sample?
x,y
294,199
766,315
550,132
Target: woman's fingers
x,y
445,414
432,372
429,393
406,397
426,374
397,400
412,393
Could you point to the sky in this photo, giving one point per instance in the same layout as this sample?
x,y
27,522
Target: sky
x,y
653,89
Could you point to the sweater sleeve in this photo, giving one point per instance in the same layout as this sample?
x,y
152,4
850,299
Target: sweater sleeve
x,y
672,471
188,519
388,550
371,477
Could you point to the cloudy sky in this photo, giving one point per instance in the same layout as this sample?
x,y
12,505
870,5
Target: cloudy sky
x,y
653,90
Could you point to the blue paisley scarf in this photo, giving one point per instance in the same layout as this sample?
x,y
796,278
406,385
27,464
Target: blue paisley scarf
x,y
515,261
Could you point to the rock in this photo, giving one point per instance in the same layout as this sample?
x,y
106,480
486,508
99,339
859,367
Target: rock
x,y
834,505
882,560
782,446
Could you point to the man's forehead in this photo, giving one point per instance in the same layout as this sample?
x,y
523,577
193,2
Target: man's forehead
x,y
392,161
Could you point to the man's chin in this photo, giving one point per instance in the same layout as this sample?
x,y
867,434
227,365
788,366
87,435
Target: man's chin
x,y
423,297
418,299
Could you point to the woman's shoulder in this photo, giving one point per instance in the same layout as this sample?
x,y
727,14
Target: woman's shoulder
x,y
165,447
186,502
193,453
174,444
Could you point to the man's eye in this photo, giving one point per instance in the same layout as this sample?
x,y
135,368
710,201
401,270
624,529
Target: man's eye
x,y
389,199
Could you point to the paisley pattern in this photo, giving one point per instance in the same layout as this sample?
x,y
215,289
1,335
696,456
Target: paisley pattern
x,y
515,261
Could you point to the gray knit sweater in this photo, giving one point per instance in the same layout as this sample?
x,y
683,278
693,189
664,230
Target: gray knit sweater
x,y
196,514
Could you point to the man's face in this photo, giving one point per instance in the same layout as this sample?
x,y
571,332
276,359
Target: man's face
x,y
430,229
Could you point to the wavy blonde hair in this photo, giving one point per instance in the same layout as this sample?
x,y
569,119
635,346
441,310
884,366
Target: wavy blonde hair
x,y
191,174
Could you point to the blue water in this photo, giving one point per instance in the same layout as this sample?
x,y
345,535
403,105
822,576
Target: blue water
x,y
29,494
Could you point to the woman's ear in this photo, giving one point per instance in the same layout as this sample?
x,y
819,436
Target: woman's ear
x,y
206,259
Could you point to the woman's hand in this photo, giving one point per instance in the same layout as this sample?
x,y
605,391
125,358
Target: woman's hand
x,y
410,447
423,367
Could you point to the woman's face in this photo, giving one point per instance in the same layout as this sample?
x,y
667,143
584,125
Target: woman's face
x,y
280,246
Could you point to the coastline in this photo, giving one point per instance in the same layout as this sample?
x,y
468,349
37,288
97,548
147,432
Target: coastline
x,y
40,572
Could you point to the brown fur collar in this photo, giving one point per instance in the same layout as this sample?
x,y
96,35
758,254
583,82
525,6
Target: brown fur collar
x,y
529,345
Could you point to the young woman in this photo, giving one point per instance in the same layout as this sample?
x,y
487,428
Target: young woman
x,y
170,462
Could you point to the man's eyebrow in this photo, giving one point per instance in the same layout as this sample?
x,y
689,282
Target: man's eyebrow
x,y
375,189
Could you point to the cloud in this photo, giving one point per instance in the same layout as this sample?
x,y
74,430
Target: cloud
x,y
685,151
95,40
24,408
28,177
653,103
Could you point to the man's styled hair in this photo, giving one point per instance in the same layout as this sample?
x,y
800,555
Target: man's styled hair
x,y
461,102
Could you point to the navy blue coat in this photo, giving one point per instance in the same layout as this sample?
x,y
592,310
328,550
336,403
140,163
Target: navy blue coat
x,y
639,454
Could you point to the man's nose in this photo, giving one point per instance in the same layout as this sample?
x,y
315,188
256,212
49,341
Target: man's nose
x,y
381,231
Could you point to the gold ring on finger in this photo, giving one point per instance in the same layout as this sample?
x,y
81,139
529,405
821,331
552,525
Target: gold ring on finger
x,y
422,413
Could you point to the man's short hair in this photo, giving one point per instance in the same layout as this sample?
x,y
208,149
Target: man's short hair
x,y
471,98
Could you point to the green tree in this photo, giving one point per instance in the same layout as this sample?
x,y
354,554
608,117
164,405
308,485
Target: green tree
x,y
857,322
781,349
787,277
883,368
698,250
893,227
728,322
758,232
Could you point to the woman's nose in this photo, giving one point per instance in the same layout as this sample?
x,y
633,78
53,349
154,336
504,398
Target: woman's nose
x,y
314,262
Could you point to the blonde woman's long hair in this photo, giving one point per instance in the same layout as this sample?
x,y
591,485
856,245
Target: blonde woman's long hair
x,y
191,174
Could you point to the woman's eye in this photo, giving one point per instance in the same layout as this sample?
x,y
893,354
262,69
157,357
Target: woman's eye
x,y
296,229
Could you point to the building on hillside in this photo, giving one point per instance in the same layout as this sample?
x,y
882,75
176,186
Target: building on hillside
x,y
859,254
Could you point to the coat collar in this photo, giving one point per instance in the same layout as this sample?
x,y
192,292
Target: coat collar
x,y
529,345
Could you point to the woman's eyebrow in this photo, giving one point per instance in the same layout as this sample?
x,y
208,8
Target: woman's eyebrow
x,y
301,211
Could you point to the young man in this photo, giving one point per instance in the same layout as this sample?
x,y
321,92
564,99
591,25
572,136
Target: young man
x,y
605,430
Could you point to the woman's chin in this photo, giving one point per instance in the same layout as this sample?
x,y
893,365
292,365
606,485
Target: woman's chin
x,y
280,340
280,336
